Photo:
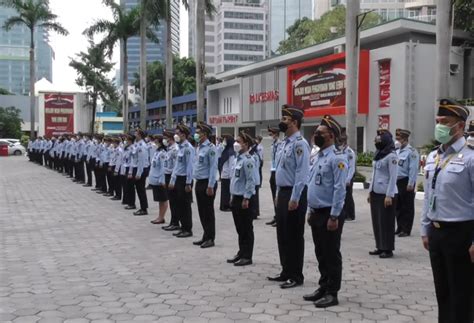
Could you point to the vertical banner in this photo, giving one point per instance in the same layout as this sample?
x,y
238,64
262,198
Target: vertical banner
x,y
384,84
384,121
58,114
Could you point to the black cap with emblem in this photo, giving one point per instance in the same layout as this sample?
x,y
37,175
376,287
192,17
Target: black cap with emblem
x,y
294,112
332,124
273,129
470,130
402,133
202,126
451,108
168,133
183,128
246,138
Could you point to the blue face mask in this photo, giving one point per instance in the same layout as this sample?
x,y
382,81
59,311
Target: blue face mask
x,y
197,137
443,133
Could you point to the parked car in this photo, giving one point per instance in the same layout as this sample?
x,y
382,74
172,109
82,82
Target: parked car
x,y
13,149
11,140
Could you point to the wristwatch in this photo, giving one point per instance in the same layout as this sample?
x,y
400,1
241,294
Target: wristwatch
x,y
333,218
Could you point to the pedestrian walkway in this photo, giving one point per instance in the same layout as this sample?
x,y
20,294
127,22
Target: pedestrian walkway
x,y
70,255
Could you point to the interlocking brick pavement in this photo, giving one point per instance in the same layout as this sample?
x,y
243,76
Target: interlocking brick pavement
x,y
70,255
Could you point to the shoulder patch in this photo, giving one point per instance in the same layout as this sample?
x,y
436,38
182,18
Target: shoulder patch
x,y
341,165
212,152
299,151
394,162
250,165
187,152
299,138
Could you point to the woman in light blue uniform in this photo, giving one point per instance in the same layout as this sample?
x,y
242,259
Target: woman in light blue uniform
x,y
226,166
157,179
383,189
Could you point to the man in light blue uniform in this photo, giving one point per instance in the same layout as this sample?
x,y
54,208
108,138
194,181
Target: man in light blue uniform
x,y
80,154
326,195
275,134
408,164
139,170
447,220
205,172
351,157
291,176
170,162
182,181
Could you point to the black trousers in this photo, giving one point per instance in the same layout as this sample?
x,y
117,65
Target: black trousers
x,y
140,187
128,189
117,181
243,220
90,165
97,174
206,211
172,202
225,194
273,188
290,234
102,173
453,271
72,161
183,205
349,206
327,247
405,211
80,176
256,207
110,179
383,222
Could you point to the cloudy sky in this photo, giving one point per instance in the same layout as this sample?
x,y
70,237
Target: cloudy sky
x,y
75,16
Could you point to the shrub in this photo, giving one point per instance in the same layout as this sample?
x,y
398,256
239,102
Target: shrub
x,y
420,187
359,178
365,159
24,140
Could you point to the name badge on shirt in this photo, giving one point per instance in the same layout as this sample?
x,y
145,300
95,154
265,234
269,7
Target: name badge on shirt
x,y
154,163
318,179
400,162
180,159
166,163
201,159
237,172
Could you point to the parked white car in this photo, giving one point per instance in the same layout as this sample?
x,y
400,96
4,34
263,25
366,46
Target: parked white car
x,y
13,148
11,140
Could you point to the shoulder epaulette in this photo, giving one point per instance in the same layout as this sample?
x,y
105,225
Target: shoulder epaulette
x,y
471,146
338,152
435,148
299,138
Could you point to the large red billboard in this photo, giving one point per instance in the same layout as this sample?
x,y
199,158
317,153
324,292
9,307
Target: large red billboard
x,y
319,85
58,114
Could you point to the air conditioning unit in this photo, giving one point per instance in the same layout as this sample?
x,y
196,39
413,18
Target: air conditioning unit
x,y
339,49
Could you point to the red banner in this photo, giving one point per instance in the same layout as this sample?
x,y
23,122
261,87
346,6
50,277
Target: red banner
x,y
272,95
224,119
58,114
384,84
384,122
319,85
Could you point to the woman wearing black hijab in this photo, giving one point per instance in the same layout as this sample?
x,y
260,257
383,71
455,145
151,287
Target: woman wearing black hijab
x,y
383,189
225,166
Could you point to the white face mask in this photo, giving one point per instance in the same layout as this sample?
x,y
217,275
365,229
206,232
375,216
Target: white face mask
x,y
177,138
224,143
470,140
165,142
125,142
398,144
237,147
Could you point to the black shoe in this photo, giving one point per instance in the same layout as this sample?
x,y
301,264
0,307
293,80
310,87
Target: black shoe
x,y
386,254
87,185
403,234
185,234
376,252
226,210
80,182
316,295
171,227
277,278
274,225
140,212
349,219
199,242
398,231
177,233
207,244
272,222
130,207
327,301
115,198
109,194
243,262
233,259
290,283
95,189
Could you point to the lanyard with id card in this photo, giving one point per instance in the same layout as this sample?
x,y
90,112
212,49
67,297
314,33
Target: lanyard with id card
x,y
438,169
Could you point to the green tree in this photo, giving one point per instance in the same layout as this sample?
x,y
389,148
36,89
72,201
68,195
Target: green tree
x,y
306,32
5,92
463,15
92,68
10,122
32,14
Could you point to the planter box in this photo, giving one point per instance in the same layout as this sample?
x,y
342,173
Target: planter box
x,y
420,196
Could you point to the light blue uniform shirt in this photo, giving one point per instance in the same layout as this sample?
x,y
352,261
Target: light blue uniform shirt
x,y
184,163
118,159
408,162
327,181
104,155
452,199
243,179
384,175
171,156
292,167
140,159
157,168
126,159
80,149
228,168
275,151
256,163
351,158
205,163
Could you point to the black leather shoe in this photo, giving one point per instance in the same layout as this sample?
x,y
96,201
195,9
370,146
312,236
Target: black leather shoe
x,y
272,222
140,212
130,207
243,262
184,234
398,231
316,295
171,228
115,198
199,242
274,225
376,252
386,254
403,234
233,259
326,301
177,233
277,278
207,244
87,185
290,283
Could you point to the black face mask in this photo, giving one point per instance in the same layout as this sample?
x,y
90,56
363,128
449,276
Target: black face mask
x,y
319,140
379,145
283,126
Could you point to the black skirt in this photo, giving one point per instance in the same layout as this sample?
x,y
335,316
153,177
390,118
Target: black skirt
x,y
160,193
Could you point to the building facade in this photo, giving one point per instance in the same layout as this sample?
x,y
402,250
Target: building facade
x,y
236,35
15,59
155,52
108,123
396,84
283,14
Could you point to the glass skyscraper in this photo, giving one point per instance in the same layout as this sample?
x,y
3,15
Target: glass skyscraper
x,y
155,52
15,57
283,14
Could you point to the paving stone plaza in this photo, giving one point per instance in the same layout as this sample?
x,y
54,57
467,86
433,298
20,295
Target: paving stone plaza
x,y
70,255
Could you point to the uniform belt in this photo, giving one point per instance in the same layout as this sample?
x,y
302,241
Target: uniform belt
x,y
445,225
286,188
401,178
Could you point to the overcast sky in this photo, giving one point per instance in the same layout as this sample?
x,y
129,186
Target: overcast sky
x,y
75,16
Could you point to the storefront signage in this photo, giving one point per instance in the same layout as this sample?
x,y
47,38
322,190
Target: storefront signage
x,y
384,84
58,114
224,119
267,96
319,85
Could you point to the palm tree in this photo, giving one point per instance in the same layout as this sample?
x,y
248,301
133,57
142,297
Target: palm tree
x,y
33,14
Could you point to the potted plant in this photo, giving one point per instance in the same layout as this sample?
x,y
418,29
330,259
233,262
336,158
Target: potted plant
x,y
359,178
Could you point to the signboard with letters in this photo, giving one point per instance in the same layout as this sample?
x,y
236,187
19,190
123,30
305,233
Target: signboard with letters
x,y
58,114
223,119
